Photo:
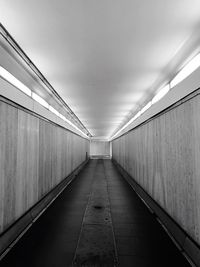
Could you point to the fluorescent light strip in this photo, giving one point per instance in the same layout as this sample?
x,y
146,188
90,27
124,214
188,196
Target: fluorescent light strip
x,y
14,81
148,105
73,125
129,122
53,110
182,74
156,98
65,119
161,93
137,115
78,129
186,70
40,100
62,117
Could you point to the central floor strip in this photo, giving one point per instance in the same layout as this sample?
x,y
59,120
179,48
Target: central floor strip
x,y
96,245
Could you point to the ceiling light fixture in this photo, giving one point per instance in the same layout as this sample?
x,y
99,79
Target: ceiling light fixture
x,y
73,125
53,110
40,100
129,122
19,85
190,67
14,81
161,93
148,105
155,99
62,117
77,128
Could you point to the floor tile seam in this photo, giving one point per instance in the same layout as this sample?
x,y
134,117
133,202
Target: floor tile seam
x,y
82,224
112,226
117,237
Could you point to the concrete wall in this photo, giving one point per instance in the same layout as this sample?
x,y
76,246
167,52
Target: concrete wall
x,y
35,156
162,155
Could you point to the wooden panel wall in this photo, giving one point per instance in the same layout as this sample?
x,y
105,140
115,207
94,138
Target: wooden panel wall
x,y
35,155
99,148
163,156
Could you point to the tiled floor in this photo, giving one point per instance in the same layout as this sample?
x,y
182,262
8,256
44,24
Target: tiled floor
x,y
53,239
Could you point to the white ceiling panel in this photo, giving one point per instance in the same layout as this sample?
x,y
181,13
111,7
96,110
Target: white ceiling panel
x,y
102,57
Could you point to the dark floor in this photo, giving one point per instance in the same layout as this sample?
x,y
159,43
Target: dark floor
x,y
134,236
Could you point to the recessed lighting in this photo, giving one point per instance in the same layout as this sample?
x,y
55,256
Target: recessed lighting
x,y
186,71
62,117
40,100
73,125
129,122
53,110
161,94
148,105
14,81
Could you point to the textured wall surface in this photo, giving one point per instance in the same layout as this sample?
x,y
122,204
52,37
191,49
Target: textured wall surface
x,y
163,156
35,155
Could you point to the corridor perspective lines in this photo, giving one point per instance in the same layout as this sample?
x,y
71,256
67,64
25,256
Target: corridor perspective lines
x,y
98,220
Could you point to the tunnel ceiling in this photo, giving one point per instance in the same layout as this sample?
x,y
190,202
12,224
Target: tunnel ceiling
x,y
103,57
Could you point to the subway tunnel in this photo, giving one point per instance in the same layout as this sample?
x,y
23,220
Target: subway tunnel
x,y
99,133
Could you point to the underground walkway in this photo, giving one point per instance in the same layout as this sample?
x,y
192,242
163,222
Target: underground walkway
x,y
98,220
